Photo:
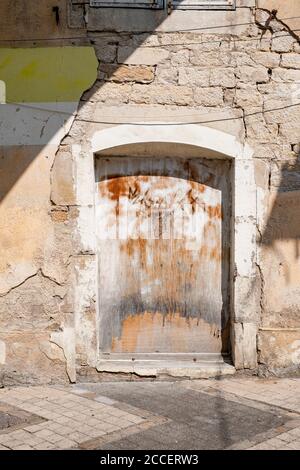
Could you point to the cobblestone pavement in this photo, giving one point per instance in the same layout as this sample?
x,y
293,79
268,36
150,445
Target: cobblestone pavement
x,y
232,413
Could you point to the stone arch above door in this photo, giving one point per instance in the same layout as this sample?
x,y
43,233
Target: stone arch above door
x,y
217,144
190,134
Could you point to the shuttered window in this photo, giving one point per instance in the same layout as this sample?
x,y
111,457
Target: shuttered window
x,y
152,4
160,4
204,4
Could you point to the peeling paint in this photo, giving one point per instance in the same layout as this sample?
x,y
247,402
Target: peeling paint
x,y
163,252
47,74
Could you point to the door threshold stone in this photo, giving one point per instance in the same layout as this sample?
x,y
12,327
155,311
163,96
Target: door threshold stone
x,y
173,368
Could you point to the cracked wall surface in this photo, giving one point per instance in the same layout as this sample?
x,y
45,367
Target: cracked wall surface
x,y
43,87
242,78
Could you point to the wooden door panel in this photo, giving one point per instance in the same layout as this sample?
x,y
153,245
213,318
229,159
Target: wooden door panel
x,y
163,250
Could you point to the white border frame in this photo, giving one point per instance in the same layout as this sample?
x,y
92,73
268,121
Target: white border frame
x,y
244,313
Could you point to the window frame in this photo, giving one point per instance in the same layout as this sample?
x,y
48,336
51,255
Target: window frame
x,y
146,4
161,4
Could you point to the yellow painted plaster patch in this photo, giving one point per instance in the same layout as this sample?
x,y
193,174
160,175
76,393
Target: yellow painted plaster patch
x,y
49,74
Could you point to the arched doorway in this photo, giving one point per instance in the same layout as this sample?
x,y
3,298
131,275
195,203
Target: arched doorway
x,y
150,154
163,247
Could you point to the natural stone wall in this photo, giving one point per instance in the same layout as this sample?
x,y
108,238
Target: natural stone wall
x,y
205,77
244,81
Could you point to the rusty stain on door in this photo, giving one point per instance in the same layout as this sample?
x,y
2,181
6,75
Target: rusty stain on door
x,y
163,251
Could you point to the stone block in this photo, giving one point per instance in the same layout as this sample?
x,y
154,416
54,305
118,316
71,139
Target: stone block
x,y
240,58
246,306
267,59
165,74
110,93
180,57
193,76
207,77
224,77
248,74
125,73
63,189
290,61
260,131
104,52
162,94
281,42
244,345
248,97
209,59
245,247
286,75
142,56
279,348
209,96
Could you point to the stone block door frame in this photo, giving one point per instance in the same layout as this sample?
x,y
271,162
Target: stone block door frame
x,y
244,276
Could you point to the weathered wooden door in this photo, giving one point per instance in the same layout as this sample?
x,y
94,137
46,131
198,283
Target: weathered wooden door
x,y
163,250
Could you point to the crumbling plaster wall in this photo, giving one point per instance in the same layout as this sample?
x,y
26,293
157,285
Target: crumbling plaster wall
x,y
43,85
226,78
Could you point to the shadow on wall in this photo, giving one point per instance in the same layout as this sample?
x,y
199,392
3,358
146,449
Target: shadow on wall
x,y
43,79
282,231
45,68
42,84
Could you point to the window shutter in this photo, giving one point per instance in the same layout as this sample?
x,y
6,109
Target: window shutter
x,y
204,4
153,4
159,4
